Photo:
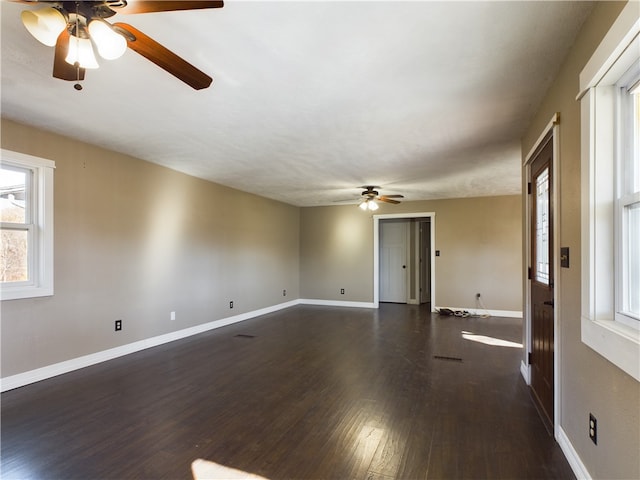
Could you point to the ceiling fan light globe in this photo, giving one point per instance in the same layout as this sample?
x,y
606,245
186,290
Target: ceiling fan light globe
x,y
81,52
373,206
45,24
363,205
110,44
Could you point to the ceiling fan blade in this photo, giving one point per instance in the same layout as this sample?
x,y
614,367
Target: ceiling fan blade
x,y
392,196
61,69
387,200
164,58
148,6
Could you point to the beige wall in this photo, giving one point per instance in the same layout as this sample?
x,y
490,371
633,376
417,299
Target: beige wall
x,y
480,241
135,241
336,245
589,383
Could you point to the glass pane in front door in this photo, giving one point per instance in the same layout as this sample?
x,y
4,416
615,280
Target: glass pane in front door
x,y
542,227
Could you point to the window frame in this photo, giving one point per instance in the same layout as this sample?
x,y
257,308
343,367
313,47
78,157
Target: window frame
x,y
617,341
39,225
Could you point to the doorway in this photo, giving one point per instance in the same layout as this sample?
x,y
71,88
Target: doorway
x,y
424,260
413,266
541,307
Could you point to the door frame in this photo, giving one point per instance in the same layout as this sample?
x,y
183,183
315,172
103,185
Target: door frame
x,y
525,368
376,252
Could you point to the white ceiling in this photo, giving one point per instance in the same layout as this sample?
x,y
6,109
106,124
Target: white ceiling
x,y
313,99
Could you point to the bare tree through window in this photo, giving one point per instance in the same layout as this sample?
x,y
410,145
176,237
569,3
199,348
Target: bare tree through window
x,y
14,234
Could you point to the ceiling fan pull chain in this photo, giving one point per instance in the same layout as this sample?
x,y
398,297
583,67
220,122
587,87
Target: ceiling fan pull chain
x,y
77,86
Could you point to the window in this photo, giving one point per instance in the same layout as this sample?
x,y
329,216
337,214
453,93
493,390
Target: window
x,y
26,226
611,195
627,225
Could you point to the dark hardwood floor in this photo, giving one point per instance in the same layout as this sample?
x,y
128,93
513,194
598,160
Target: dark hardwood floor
x,y
308,392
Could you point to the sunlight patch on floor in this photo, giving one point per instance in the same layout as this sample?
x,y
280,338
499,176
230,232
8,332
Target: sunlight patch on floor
x,y
495,342
206,470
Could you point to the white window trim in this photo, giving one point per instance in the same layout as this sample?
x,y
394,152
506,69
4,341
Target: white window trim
x,y
617,342
42,284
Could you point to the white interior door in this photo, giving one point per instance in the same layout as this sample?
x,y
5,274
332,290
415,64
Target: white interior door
x,y
393,261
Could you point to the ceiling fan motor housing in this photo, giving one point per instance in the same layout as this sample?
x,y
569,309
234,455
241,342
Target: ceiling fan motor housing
x,y
370,191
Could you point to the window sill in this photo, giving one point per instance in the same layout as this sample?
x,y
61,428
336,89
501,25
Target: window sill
x,y
616,342
17,293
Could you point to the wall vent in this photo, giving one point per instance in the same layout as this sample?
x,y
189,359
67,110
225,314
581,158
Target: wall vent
x,y
450,359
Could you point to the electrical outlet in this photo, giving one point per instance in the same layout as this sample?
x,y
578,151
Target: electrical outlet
x,y
118,325
284,293
231,304
593,429
173,315
477,295
342,291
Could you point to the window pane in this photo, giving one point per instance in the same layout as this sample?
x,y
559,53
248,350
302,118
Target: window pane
x,y
542,227
635,168
13,256
633,272
13,189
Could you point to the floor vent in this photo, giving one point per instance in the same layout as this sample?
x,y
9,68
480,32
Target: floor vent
x,y
242,335
450,359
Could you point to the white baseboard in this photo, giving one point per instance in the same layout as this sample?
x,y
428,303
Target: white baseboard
x,y
335,303
493,313
575,462
526,372
32,376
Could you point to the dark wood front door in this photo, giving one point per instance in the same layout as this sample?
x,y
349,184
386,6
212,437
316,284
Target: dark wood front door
x,y
542,279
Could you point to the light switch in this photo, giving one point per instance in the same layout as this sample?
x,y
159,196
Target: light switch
x,y
564,257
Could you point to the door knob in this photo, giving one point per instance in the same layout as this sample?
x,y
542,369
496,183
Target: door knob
x,y
548,302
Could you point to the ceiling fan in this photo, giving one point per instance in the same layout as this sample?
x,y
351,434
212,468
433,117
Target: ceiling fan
x,y
370,197
75,27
